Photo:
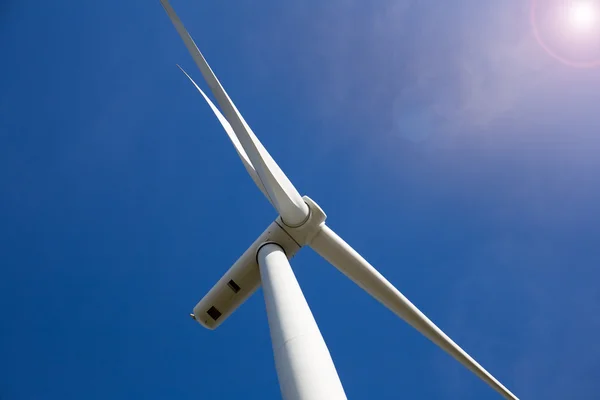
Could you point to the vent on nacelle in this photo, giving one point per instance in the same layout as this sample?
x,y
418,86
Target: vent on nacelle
x,y
214,313
233,286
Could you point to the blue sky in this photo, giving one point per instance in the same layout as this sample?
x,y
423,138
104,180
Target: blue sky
x,y
442,139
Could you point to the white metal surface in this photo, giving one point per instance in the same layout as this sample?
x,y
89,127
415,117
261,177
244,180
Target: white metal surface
x,y
282,193
341,255
226,297
304,233
304,366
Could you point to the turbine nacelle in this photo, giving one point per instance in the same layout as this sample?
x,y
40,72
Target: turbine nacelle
x,y
243,277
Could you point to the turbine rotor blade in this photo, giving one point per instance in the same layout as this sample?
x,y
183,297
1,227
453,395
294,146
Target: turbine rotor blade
x,y
236,143
282,193
341,255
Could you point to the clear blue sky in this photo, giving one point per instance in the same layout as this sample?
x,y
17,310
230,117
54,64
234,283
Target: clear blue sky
x,y
445,143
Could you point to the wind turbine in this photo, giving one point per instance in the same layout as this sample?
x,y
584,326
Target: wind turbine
x,y
304,366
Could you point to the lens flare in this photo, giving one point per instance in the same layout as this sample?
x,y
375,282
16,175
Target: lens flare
x,y
568,30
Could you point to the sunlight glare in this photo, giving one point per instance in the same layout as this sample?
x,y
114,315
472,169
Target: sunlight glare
x,y
583,14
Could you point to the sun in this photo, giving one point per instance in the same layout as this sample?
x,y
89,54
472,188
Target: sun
x,y
568,30
583,14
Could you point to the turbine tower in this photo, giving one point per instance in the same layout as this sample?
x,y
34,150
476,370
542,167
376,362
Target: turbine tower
x,y
304,366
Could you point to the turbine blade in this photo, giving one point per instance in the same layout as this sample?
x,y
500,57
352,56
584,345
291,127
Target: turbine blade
x,y
339,253
236,143
282,193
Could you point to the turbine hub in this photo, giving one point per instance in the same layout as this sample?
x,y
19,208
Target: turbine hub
x,y
304,233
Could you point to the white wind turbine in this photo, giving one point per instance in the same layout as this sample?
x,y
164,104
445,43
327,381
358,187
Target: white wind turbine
x,y
304,366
